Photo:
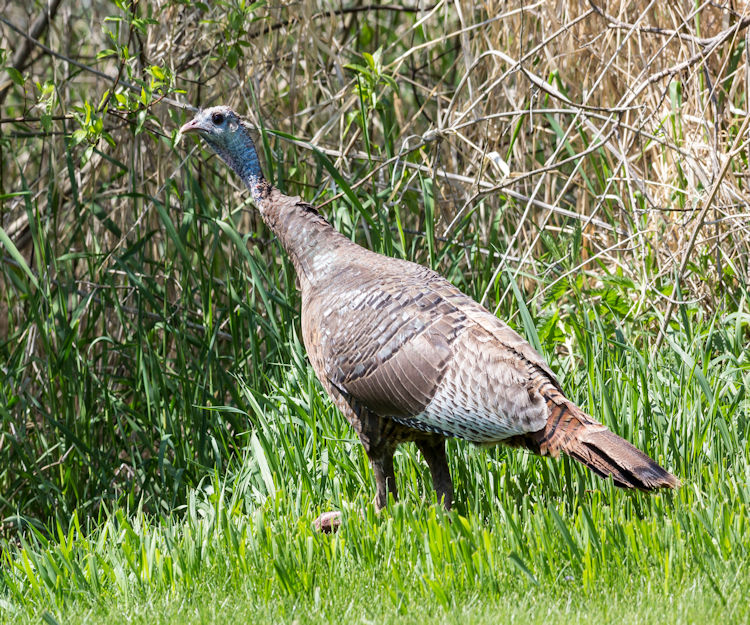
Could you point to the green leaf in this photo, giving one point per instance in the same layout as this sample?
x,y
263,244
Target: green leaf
x,y
18,257
259,455
232,57
521,566
15,76
528,322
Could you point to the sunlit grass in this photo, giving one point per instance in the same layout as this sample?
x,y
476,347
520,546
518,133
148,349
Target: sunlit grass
x,y
523,527
164,444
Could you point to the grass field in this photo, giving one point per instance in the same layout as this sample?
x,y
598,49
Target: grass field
x,y
530,539
164,444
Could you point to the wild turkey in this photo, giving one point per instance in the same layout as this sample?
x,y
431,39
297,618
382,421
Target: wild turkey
x,y
406,356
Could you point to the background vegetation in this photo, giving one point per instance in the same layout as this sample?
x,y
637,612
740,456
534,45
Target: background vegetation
x,y
164,445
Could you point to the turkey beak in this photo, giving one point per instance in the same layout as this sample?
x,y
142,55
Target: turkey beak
x,y
192,126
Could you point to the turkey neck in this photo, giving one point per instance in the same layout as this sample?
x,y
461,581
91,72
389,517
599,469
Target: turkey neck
x,y
313,245
309,240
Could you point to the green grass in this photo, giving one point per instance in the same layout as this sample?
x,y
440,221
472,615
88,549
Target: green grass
x,y
225,562
180,455
532,539
180,458
164,444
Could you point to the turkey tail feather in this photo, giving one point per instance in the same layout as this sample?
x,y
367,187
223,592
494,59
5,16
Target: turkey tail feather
x,y
573,432
607,454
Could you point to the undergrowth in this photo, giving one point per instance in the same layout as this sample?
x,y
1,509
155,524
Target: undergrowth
x,y
163,439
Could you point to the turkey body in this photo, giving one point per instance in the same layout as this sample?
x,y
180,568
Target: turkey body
x,y
398,340
406,356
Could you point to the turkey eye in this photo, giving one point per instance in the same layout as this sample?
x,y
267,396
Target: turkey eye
x,y
217,119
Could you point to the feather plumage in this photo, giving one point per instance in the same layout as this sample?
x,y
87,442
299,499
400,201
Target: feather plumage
x,y
407,356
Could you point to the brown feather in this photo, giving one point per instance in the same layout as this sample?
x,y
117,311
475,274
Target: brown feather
x,y
406,356
571,431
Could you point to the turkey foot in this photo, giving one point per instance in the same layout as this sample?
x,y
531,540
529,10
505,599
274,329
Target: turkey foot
x,y
328,522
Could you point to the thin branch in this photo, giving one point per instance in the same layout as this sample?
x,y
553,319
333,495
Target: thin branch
x,y
707,45
345,11
38,27
87,68
736,147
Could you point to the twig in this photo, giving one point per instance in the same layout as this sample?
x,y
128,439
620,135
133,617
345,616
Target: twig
x,y
707,45
344,11
111,91
24,49
701,220
704,42
485,186
87,68
29,120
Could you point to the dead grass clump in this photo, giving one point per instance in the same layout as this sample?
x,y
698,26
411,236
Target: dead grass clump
x,y
626,114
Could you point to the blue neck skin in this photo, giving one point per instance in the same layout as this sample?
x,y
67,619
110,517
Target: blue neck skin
x,y
308,238
251,173
242,157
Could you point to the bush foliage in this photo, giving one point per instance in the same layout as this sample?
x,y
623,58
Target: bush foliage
x,y
580,169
